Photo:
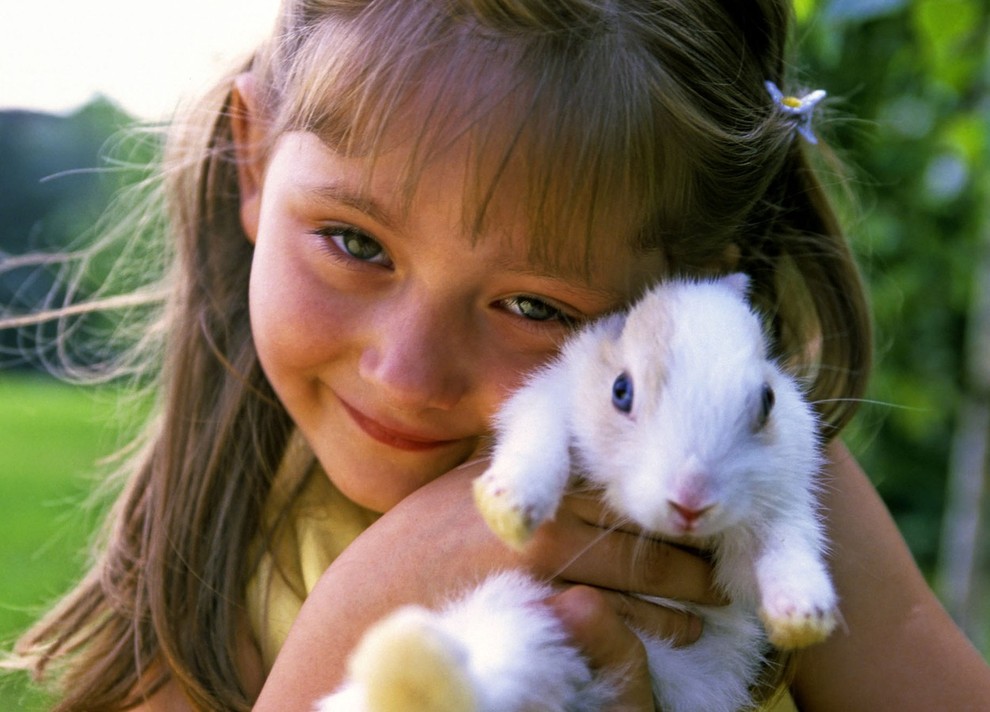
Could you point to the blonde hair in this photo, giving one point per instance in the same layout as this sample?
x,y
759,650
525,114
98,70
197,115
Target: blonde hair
x,y
653,113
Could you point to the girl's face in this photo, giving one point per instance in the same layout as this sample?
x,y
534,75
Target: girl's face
x,y
390,335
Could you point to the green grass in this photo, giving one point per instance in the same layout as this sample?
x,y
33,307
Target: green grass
x,y
52,437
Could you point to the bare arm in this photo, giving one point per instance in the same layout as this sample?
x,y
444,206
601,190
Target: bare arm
x,y
898,649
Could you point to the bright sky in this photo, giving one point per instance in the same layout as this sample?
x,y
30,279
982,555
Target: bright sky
x,y
147,55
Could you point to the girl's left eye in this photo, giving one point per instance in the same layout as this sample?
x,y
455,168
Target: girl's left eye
x,y
355,244
535,309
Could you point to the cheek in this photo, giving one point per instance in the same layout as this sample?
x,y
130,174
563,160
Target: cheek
x,y
292,320
503,372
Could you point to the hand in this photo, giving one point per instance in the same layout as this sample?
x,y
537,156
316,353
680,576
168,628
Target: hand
x,y
609,644
599,619
619,559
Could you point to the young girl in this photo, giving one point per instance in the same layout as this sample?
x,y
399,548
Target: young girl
x,y
388,217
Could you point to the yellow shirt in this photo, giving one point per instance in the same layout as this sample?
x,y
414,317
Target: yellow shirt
x,y
318,526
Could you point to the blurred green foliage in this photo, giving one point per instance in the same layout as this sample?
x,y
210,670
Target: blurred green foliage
x,y
66,183
909,85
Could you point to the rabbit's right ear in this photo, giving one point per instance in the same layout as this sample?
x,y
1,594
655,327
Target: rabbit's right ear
x,y
247,129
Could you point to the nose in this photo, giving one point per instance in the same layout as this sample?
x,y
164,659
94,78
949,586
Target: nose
x,y
417,355
689,514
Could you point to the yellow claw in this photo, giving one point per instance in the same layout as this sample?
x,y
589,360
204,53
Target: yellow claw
x,y
798,631
507,520
405,664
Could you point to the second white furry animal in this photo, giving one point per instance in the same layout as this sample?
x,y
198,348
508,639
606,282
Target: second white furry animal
x,y
678,414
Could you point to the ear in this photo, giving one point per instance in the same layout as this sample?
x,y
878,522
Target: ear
x,y
614,324
248,129
738,282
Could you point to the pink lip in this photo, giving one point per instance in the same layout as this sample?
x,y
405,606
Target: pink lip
x,y
393,438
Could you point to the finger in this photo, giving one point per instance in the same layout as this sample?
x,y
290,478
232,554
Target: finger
x,y
588,504
621,561
607,642
678,627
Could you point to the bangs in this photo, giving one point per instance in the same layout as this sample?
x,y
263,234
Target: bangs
x,y
560,124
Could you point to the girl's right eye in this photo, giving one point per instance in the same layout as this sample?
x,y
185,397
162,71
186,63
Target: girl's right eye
x,y
355,244
540,311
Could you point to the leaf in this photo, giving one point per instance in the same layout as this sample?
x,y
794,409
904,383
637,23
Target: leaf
x,y
804,9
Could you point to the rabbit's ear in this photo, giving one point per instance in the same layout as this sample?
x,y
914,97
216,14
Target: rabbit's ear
x,y
738,282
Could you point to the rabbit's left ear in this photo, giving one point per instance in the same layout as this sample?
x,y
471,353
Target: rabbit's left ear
x,y
613,325
738,282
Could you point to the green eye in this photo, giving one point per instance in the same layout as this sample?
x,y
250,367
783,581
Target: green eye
x,y
355,244
534,309
358,246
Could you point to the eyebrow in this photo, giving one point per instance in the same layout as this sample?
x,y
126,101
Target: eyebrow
x,y
574,286
345,194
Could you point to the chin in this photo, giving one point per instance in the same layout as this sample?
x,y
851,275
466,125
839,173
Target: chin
x,y
379,491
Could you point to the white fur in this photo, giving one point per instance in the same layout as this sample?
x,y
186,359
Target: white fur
x,y
696,356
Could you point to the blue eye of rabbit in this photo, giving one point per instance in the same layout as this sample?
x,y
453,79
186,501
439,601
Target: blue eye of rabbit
x,y
622,393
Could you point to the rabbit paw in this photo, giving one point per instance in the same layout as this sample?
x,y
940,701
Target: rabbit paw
x,y
792,623
407,663
501,507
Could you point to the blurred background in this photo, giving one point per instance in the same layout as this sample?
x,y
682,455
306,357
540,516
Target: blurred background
x,y
908,113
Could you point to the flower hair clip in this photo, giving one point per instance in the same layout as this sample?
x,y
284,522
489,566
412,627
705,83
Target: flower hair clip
x,y
801,108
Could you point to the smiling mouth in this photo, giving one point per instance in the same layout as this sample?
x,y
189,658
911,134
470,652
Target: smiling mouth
x,y
392,438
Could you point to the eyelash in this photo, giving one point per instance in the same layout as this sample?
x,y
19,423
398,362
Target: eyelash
x,y
337,237
558,317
